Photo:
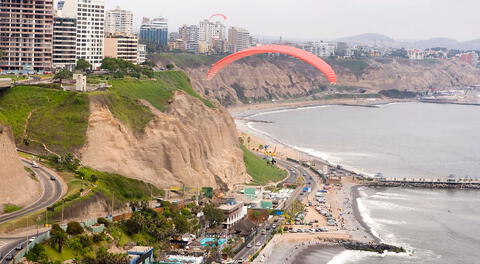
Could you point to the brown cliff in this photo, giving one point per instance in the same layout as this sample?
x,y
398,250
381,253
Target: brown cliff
x,y
15,180
189,144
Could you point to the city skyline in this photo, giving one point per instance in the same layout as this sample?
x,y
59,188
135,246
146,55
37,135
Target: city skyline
x,y
400,20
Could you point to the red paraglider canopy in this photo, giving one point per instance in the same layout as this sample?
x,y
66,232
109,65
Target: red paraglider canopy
x,y
220,15
288,50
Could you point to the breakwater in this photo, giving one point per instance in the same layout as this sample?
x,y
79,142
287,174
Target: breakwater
x,y
379,248
427,183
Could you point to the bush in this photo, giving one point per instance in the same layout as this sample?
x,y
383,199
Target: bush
x,y
37,254
103,221
74,228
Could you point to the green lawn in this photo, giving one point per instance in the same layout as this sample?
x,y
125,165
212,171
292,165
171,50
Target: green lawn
x,y
185,60
259,170
54,255
357,67
58,119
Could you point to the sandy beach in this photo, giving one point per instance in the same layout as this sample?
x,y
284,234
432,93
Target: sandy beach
x,y
341,202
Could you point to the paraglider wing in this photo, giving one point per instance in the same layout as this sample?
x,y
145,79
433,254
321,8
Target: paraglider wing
x,y
291,51
220,15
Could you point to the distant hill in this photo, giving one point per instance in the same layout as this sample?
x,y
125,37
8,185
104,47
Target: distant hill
x,y
382,40
368,38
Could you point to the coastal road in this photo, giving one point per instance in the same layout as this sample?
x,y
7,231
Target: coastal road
x,y
51,192
298,194
7,246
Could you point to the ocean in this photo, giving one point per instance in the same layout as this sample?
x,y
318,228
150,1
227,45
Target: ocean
x,y
408,140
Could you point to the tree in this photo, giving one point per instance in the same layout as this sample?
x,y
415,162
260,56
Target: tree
x,y
170,66
213,215
63,75
104,257
59,238
74,228
83,65
182,226
37,254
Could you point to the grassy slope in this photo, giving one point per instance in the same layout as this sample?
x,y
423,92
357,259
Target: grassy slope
x,y
258,169
158,91
59,119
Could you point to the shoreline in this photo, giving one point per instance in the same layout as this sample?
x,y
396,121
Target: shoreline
x,y
282,247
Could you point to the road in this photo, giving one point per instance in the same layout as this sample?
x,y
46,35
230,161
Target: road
x,y
52,192
298,194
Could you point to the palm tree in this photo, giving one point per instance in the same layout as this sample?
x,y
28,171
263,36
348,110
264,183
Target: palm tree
x,y
58,237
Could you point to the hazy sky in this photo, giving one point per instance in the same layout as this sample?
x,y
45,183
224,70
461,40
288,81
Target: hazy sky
x,y
324,19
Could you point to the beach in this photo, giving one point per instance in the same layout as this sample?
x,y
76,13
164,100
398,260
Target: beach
x,y
341,202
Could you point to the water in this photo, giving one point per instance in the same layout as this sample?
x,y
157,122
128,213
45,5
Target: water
x,y
399,140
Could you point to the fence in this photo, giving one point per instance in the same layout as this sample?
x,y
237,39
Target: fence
x,y
30,245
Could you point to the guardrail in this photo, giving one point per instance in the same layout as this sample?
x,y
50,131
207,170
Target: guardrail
x,y
30,245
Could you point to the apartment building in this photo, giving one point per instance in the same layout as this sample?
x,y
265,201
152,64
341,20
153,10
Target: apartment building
x,y
142,53
64,43
90,16
238,39
26,29
122,47
118,21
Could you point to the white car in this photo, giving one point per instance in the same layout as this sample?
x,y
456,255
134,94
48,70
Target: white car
x,y
258,244
34,164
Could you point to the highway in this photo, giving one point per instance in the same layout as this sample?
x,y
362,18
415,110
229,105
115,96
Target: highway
x,y
52,192
298,194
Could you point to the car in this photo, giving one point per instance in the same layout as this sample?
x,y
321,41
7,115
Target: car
x,y
274,226
264,232
9,257
34,164
53,178
249,245
240,260
258,244
32,239
19,247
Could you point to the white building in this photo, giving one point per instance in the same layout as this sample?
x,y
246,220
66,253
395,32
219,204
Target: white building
x,y
233,213
209,30
118,21
64,43
90,15
122,47
142,53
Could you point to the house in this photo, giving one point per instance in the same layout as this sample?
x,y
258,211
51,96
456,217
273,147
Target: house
x,y
140,255
233,213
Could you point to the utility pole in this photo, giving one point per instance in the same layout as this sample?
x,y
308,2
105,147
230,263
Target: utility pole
x,y
26,248
63,206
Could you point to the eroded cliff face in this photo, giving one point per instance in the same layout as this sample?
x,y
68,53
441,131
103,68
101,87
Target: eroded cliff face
x,y
188,145
258,78
13,177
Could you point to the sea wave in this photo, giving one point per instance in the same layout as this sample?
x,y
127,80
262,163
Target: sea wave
x,y
352,256
365,214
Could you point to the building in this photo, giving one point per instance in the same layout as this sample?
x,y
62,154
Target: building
x,y
122,47
470,58
416,54
238,39
177,45
233,213
208,30
154,31
342,49
26,32
64,43
140,255
142,53
90,15
118,21
189,33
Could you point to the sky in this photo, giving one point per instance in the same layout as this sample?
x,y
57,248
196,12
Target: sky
x,y
323,19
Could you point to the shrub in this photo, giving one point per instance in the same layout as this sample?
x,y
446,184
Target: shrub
x,y
103,221
74,228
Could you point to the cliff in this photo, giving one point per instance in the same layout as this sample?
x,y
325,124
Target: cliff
x,y
13,176
262,78
189,144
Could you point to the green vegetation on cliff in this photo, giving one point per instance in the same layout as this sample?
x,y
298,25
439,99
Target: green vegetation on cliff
x,y
58,119
261,172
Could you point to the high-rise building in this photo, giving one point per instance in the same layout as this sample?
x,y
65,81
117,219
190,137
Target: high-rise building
x,y
208,30
238,39
64,43
118,21
189,33
26,29
154,31
122,47
90,16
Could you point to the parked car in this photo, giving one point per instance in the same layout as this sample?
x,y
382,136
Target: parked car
x,y
249,245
